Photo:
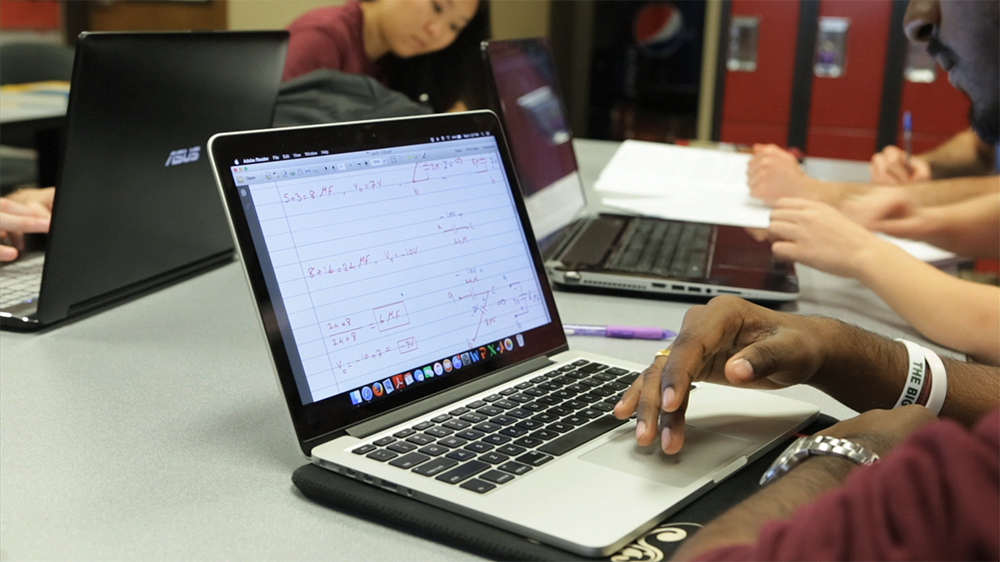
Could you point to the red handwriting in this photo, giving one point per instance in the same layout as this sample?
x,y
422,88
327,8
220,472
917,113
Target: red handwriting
x,y
343,267
407,345
372,354
344,338
390,316
330,191
392,255
422,171
361,262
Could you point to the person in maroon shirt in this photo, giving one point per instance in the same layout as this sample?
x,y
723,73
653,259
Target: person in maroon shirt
x,y
934,494
424,48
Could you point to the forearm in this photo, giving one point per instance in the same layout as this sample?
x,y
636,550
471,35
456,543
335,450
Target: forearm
x,y
743,523
944,192
969,228
952,312
866,371
962,155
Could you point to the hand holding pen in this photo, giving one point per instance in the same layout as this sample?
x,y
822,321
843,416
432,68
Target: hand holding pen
x,y
895,166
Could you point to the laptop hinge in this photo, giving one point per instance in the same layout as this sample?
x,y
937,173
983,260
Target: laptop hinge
x,y
389,419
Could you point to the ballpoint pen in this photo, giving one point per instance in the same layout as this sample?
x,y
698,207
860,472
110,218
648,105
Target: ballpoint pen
x,y
908,135
637,332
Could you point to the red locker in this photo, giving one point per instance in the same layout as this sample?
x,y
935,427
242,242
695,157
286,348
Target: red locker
x,y
34,14
844,110
756,103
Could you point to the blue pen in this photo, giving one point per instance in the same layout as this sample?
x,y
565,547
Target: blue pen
x,y
908,135
637,332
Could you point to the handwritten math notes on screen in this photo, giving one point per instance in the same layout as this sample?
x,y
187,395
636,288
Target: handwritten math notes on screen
x,y
384,268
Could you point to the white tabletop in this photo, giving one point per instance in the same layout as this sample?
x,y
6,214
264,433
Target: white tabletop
x,y
155,430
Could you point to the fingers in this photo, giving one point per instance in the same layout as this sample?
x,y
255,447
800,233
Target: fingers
x,y
889,166
23,223
648,413
672,428
797,203
675,385
19,217
643,399
28,209
784,230
8,253
758,234
784,250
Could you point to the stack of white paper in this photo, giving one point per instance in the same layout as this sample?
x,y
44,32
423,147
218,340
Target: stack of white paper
x,y
701,185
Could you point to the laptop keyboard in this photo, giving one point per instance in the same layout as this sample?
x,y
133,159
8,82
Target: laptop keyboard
x,y
490,442
21,281
666,248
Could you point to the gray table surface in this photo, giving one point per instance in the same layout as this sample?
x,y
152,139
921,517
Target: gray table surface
x,y
156,430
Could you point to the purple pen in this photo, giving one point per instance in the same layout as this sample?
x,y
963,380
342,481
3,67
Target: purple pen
x,y
639,332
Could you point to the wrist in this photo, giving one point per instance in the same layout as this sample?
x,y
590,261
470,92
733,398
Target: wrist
x,y
852,358
821,445
870,260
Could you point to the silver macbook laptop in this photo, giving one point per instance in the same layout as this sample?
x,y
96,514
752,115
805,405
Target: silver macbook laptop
x,y
418,345
638,255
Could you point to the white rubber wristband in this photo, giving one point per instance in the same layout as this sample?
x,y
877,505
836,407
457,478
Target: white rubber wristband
x,y
915,374
939,381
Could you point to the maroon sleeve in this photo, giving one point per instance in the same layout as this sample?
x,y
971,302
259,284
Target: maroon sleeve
x,y
936,497
310,49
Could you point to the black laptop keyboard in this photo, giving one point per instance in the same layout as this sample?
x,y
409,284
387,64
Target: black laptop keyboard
x,y
665,248
492,441
20,281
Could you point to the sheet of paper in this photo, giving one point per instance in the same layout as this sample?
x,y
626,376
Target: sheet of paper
x,y
651,168
734,210
701,185
752,213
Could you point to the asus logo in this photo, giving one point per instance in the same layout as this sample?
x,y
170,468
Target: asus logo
x,y
183,156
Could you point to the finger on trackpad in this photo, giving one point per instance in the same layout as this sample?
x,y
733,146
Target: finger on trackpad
x,y
704,452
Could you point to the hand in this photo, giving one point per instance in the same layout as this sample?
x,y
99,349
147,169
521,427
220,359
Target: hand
x,y
16,219
38,198
879,203
774,173
817,235
729,341
881,430
893,211
890,167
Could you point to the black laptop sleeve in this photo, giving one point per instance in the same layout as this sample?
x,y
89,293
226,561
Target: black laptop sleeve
x,y
432,523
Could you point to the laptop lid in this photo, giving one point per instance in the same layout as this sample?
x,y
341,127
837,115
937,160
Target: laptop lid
x,y
390,260
526,94
135,204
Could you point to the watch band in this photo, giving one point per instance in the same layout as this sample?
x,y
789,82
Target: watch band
x,y
805,447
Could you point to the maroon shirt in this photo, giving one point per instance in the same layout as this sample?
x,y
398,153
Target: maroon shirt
x,y
936,497
329,37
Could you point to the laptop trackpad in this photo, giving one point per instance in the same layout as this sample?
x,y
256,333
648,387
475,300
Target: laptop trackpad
x,y
704,452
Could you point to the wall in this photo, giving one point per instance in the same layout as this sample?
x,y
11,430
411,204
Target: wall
x,y
270,14
511,18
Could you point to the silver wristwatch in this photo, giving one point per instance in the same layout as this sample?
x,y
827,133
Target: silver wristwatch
x,y
805,447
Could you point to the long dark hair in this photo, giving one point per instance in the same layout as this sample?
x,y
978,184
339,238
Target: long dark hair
x,y
445,77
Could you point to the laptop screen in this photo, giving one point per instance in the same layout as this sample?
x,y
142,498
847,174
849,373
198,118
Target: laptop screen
x,y
392,267
528,98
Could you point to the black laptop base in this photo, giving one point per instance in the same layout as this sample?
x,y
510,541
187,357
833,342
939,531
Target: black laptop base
x,y
386,508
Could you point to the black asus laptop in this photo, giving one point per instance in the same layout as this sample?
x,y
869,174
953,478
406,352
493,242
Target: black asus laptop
x,y
135,205
610,251
405,307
